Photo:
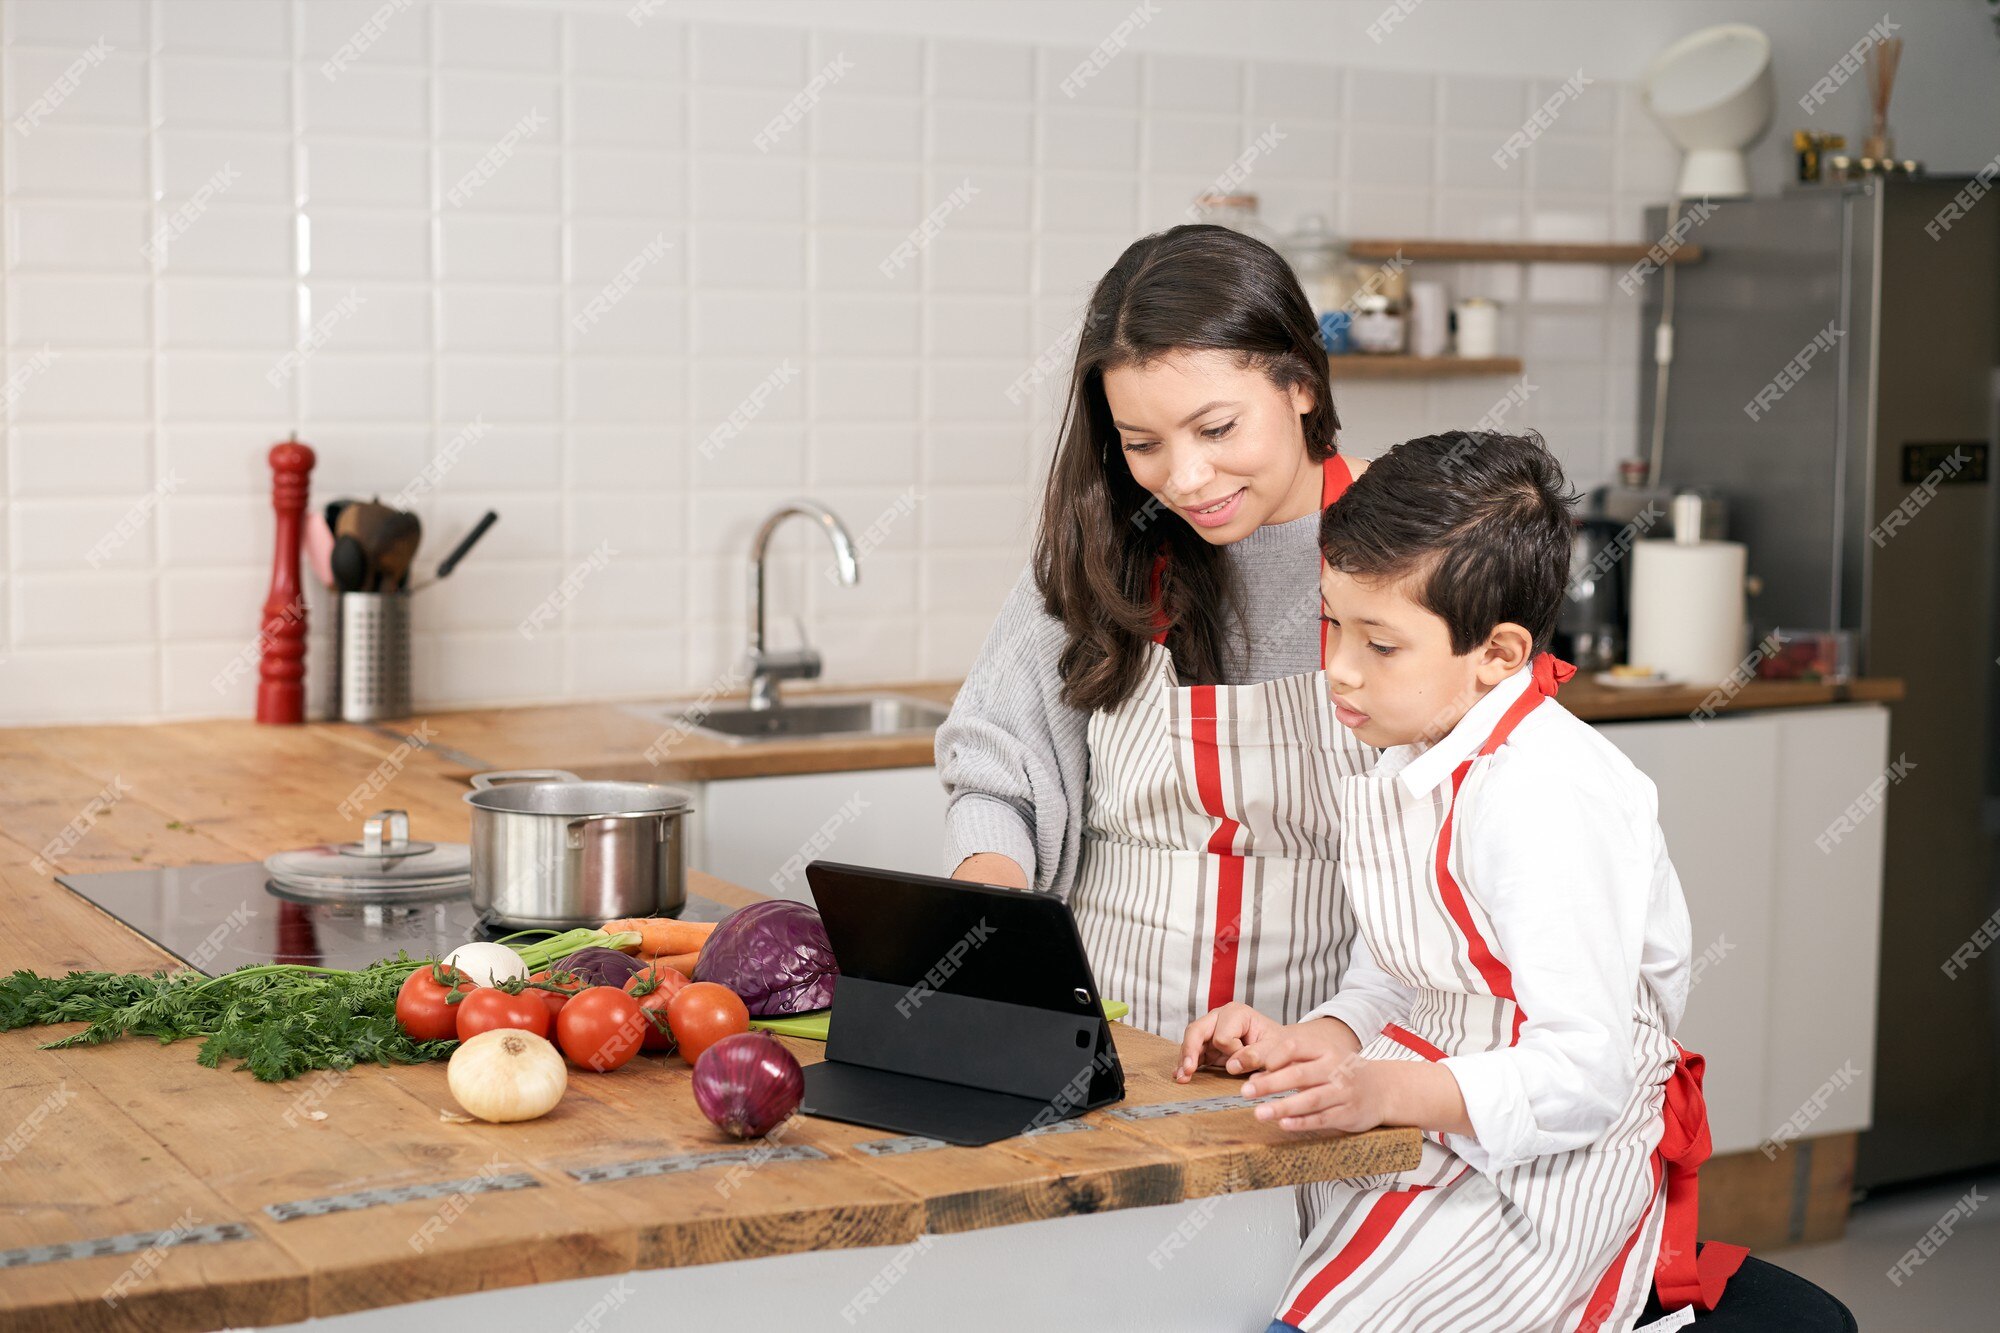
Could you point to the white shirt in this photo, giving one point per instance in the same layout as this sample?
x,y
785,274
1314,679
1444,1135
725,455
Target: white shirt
x,y
1558,839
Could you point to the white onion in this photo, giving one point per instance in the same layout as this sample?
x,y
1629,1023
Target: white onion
x,y
487,964
507,1074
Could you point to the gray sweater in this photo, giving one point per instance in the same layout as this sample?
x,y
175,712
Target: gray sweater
x,y
1013,756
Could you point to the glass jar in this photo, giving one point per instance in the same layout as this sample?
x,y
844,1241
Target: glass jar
x,y
1321,262
1377,326
1238,212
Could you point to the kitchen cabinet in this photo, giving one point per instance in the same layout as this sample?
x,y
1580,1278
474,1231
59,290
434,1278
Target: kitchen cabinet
x,y
761,832
1785,930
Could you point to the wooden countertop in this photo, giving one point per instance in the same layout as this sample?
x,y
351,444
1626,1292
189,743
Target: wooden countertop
x,y
134,1138
612,740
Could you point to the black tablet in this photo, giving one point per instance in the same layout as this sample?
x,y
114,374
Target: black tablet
x,y
963,1012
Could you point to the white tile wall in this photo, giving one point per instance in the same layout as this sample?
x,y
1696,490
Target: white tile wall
x,y
477,173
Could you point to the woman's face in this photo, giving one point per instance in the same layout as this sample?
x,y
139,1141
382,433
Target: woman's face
x,y
1215,441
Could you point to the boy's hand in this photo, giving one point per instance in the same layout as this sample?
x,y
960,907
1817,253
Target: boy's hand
x,y
1331,1091
1214,1039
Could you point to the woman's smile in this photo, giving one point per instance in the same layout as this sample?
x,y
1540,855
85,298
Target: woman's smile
x,y
1218,512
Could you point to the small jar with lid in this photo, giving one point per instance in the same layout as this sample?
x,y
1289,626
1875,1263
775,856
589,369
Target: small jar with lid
x,y
1238,212
1377,326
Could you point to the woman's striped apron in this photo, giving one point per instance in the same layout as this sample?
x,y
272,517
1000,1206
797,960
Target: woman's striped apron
x,y
1211,842
1563,1242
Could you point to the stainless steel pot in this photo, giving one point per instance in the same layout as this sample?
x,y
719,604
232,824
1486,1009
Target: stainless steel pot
x,y
550,849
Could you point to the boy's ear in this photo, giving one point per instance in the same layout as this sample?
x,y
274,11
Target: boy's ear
x,y
1508,648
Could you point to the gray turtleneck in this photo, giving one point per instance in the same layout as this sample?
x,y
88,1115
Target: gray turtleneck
x,y
1013,756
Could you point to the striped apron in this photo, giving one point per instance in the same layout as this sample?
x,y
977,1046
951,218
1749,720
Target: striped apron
x,y
1209,868
1564,1242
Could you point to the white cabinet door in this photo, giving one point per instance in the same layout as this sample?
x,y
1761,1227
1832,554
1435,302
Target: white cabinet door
x,y
1718,808
760,832
1829,915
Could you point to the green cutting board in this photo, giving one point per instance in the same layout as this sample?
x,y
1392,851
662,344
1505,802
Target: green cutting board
x,y
812,1025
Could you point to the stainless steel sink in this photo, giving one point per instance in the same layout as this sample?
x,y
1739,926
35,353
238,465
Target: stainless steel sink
x,y
810,718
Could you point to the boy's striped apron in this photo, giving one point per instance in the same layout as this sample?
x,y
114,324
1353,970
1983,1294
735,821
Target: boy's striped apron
x,y
1563,1242
1209,870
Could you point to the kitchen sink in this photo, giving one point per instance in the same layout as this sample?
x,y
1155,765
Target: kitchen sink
x,y
813,717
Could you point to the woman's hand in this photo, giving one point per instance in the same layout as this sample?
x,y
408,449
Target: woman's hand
x,y
992,868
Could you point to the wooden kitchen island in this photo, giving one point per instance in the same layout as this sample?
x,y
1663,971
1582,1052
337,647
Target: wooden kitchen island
x,y
134,1139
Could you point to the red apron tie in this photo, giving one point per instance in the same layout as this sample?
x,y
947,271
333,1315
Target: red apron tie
x,y
1551,673
1682,1276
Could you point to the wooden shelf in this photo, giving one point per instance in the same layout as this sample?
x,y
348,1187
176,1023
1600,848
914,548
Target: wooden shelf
x,y
1363,366
1515,252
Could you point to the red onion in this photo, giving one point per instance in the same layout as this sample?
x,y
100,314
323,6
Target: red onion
x,y
748,1082
601,967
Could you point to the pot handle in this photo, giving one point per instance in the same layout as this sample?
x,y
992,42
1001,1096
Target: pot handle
x,y
481,781
576,823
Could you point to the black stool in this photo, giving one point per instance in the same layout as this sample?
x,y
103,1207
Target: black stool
x,y
1763,1298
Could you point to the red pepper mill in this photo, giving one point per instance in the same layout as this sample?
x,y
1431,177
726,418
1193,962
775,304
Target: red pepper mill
x,y
281,675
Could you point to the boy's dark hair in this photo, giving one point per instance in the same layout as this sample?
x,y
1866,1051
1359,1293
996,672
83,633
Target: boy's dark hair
x,y
1483,517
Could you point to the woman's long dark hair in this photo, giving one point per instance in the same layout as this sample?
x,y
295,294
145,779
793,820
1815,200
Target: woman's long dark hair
x,y
1191,288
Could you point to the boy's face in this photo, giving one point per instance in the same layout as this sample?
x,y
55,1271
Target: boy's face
x,y
1389,663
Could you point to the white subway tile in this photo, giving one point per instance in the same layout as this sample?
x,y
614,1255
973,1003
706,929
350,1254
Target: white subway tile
x,y
80,386
501,249
850,454
609,42
628,183
743,189
981,71
1307,151
486,668
1193,83
78,312
78,23
866,325
1491,105
374,175
1571,164
366,317
1203,145
968,261
340,34
623,662
500,319
1381,158
643,319
58,462
995,199
226,27
864,391
1088,140
978,135
218,460
854,261
344,244
359,460
340,388
850,194
1089,76
1387,213
626,113
492,37
1089,201
237,95
57,159
73,87
79,236
759,455
529,180
631,523
221,605
878,64
494,111
737,256
81,685
1591,109
222,315
233,240
973,390
744,120
205,386
1466,162
67,610
1391,97
626,390
1286,90
257,166
969,454
978,326
369,100
203,530
750,324
1069,266
754,57
976,516
879,130
522,388
627,459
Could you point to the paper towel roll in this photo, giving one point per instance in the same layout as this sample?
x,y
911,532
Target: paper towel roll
x,y
1687,608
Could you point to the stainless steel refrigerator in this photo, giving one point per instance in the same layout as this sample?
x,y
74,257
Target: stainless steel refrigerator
x,y
1836,376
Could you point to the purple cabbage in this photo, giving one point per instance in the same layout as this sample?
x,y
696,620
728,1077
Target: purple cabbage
x,y
775,955
601,967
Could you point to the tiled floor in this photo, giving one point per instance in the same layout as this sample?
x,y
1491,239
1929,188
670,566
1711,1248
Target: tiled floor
x,y
1956,1287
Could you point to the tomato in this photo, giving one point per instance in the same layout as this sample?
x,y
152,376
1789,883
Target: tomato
x,y
703,1014
424,1007
488,1008
654,989
600,1028
555,1000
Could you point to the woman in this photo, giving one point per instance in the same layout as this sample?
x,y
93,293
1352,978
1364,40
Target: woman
x,y
1147,729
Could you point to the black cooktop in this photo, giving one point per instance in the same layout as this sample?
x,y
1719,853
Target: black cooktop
x,y
219,918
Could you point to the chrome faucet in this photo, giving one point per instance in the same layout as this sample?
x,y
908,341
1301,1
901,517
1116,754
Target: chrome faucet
x,y
802,663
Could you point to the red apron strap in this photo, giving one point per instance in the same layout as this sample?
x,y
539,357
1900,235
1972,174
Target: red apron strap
x,y
1153,581
1683,1277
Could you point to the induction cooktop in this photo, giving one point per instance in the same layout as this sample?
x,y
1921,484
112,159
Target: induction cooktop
x,y
219,918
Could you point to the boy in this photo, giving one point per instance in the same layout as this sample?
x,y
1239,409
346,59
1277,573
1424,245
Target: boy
x,y
1522,960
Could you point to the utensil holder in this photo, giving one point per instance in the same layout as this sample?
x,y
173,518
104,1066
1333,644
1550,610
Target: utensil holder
x,y
372,656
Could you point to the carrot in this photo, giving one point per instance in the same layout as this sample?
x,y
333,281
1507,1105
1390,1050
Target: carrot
x,y
682,963
663,935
